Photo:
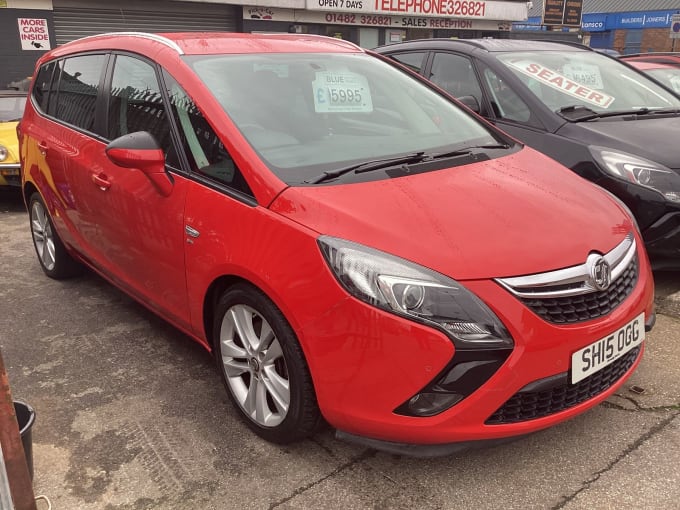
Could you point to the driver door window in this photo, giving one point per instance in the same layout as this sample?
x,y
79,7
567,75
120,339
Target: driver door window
x,y
455,74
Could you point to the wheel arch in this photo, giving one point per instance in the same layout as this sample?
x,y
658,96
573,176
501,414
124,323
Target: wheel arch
x,y
218,287
28,190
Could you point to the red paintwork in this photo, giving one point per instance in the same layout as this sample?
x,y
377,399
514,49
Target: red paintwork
x,y
506,217
646,66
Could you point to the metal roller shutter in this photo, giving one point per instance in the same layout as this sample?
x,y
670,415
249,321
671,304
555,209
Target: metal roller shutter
x,y
73,19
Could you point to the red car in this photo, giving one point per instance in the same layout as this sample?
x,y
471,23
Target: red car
x,y
667,74
352,244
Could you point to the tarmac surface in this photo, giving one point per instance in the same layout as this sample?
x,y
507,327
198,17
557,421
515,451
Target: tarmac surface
x,y
131,414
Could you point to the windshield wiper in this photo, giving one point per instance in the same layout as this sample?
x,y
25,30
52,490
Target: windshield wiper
x,y
374,164
465,151
415,157
576,112
580,113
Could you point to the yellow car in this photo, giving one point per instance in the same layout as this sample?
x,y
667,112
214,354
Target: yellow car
x,y
12,104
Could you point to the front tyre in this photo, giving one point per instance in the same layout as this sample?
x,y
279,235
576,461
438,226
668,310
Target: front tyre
x,y
263,367
52,255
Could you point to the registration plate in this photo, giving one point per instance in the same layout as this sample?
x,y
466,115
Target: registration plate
x,y
605,351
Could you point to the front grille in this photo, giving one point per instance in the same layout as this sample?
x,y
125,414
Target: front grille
x,y
584,307
529,405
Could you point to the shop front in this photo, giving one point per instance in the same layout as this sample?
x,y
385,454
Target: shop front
x,y
376,22
630,32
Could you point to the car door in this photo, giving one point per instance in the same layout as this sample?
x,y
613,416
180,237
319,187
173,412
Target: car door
x,y
221,214
67,141
141,227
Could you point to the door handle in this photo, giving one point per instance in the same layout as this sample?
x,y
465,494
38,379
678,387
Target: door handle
x,y
101,181
43,147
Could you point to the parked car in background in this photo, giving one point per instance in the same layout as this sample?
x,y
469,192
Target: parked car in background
x,y
668,58
607,122
348,241
666,71
12,104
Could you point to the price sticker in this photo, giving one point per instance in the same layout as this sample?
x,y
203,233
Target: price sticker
x,y
586,74
341,92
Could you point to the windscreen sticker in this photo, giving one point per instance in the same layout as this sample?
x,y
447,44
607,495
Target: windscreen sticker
x,y
341,92
585,74
566,84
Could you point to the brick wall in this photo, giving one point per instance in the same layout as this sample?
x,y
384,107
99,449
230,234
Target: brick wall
x,y
657,39
619,40
653,39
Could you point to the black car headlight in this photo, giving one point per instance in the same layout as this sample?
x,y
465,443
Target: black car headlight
x,y
639,171
415,292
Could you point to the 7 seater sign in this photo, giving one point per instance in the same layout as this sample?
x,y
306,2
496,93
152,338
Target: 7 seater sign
x,y
582,82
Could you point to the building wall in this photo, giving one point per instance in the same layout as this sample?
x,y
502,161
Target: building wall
x,y
657,39
620,40
653,39
16,62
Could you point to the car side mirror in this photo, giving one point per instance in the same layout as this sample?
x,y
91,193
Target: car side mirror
x,y
140,151
471,102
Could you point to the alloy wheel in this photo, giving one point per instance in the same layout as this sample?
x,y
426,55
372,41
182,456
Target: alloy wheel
x,y
254,365
43,237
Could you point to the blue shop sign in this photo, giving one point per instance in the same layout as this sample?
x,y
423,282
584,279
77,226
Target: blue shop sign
x,y
655,19
532,23
600,22
594,23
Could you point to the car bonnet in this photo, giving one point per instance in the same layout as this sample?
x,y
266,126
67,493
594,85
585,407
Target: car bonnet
x,y
651,137
515,215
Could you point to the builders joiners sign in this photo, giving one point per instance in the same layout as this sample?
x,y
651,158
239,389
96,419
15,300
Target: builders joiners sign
x,y
469,9
34,34
562,12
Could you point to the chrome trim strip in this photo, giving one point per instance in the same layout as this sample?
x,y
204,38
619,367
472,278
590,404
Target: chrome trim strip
x,y
154,37
10,165
539,285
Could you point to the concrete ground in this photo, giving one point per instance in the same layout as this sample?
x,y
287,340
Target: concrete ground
x,y
131,415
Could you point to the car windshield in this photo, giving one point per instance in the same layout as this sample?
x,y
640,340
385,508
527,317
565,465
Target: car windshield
x,y
11,108
586,79
668,76
306,114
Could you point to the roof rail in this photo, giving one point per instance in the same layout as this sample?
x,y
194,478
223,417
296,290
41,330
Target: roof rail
x,y
145,35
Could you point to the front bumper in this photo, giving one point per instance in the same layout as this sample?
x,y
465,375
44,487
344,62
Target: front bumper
x,y
662,240
10,174
658,218
364,369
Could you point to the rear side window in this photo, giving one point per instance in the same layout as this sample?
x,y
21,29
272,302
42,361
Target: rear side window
x,y
77,90
43,85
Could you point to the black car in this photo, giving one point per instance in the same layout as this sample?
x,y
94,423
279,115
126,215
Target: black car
x,y
600,117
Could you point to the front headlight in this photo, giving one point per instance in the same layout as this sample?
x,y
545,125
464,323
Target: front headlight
x,y
415,292
3,153
639,171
